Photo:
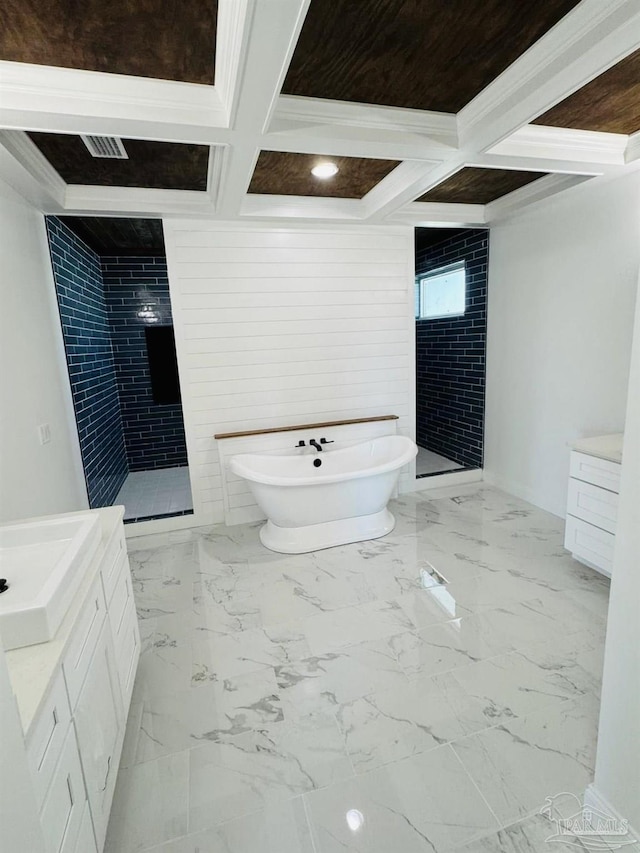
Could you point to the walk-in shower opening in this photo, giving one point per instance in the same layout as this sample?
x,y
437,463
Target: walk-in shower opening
x,y
451,267
113,296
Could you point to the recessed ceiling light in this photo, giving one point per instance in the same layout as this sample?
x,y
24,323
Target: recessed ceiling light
x,y
324,170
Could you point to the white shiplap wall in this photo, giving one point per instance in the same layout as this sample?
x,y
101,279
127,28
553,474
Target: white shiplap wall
x,y
278,326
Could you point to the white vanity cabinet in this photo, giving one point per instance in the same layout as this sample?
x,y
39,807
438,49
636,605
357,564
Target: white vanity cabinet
x,y
592,501
75,723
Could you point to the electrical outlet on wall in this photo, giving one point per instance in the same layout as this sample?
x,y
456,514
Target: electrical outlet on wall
x,y
44,433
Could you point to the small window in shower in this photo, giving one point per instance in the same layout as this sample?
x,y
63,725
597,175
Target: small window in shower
x,y
442,292
163,364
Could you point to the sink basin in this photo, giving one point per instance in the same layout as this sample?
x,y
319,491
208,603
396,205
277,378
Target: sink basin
x,y
42,562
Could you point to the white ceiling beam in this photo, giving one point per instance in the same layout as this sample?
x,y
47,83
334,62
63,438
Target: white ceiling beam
x,y
406,183
318,126
632,151
68,100
302,207
534,192
136,201
438,215
271,33
586,42
539,164
558,143
29,157
37,191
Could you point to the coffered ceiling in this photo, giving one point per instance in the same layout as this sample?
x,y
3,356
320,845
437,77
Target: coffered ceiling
x,y
433,55
610,103
447,112
169,39
480,186
163,165
281,173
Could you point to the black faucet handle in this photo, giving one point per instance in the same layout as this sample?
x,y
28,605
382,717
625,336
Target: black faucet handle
x,y
301,443
324,441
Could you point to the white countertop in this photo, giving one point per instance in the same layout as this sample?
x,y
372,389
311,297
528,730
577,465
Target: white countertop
x,y
603,446
32,669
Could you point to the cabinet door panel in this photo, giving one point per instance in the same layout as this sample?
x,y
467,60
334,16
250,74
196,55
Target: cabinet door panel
x,y
62,809
99,722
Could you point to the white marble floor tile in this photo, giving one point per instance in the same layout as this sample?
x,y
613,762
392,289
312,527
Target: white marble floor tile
x,y
444,647
188,718
519,763
527,836
160,596
322,682
227,617
388,725
426,607
220,656
515,684
421,804
150,805
327,632
282,828
274,685
164,667
245,773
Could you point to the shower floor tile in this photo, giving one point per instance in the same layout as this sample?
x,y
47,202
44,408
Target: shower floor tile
x,y
149,494
428,462
336,701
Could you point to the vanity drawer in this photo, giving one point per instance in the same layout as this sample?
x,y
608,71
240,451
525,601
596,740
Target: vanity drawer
x,y
591,469
78,655
593,504
64,805
111,563
590,543
46,738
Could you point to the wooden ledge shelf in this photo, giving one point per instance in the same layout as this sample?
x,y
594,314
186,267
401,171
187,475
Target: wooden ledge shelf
x,y
321,425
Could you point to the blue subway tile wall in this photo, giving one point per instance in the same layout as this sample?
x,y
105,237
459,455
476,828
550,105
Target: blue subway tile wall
x,y
450,356
87,340
136,292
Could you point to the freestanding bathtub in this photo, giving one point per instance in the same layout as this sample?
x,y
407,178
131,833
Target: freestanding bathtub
x,y
342,500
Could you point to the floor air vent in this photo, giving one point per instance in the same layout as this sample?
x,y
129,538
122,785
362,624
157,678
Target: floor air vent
x,y
106,147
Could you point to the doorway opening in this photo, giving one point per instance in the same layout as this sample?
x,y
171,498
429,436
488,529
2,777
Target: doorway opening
x,y
113,297
451,267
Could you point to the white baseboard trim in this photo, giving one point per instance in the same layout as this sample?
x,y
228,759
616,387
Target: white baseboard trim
x,y
441,481
593,799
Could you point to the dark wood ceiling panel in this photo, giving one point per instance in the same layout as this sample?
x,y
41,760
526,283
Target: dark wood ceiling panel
x,y
424,54
282,173
108,235
157,165
610,103
479,186
170,39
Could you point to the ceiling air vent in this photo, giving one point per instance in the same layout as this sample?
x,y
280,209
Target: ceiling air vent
x,y
107,147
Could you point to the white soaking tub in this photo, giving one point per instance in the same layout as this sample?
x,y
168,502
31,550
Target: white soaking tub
x,y
342,500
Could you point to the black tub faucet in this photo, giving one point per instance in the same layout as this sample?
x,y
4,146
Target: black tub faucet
x,y
314,443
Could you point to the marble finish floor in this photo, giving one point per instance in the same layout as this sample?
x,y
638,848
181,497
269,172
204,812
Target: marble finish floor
x,y
346,701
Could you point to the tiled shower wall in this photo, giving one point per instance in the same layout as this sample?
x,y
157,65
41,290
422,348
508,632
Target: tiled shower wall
x,y
154,434
450,356
87,340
